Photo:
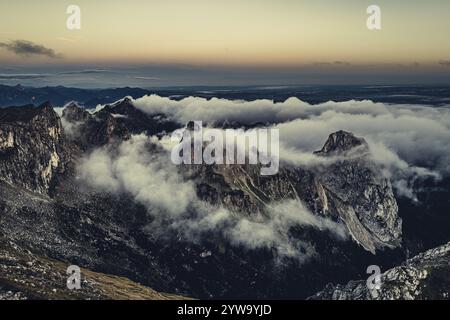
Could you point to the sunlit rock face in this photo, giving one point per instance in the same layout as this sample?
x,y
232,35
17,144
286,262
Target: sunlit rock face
x,y
30,147
351,189
360,192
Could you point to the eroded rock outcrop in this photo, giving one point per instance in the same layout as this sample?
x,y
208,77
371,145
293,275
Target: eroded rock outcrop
x,y
117,121
424,277
357,189
351,189
31,150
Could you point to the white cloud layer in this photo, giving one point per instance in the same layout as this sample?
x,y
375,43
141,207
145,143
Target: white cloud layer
x,y
405,139
134,168
418,134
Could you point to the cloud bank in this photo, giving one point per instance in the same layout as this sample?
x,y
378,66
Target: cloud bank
x,y
22,76
417,135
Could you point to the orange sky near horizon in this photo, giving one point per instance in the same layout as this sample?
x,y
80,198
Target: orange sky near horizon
x,y
256,33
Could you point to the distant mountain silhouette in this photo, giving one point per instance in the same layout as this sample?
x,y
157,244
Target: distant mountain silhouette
x,y
59,96
424,95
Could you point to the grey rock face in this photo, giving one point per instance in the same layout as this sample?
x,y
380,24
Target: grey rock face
x,y
30,147
425,276
73,113
114,122
352,189
359,192
89,131
136,121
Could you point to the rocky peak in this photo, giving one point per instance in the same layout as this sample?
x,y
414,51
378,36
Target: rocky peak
x,y
27,113
341,142
124,106
74,113
127,100
135,120
356,187
352,190
88,131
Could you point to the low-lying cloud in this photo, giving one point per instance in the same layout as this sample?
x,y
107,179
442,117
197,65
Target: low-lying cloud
x,y
85,71
22,76
133,168
418,135
215,110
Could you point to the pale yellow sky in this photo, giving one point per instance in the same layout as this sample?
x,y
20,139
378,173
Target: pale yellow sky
x,y
209,32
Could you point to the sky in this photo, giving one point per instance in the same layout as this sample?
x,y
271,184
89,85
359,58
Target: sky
x,y
200,42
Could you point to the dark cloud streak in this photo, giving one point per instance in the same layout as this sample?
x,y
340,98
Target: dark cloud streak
x,y
86,71
334,63
20,76
28,48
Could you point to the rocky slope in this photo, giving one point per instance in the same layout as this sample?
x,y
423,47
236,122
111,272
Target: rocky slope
x,y
25,275
424,277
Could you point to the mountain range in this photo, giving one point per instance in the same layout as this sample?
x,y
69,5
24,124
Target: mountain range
x,y
238,235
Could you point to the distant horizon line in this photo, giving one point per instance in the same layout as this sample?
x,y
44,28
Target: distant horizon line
x,y
268,86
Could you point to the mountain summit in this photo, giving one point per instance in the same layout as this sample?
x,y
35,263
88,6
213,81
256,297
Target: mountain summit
x,y
342,142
